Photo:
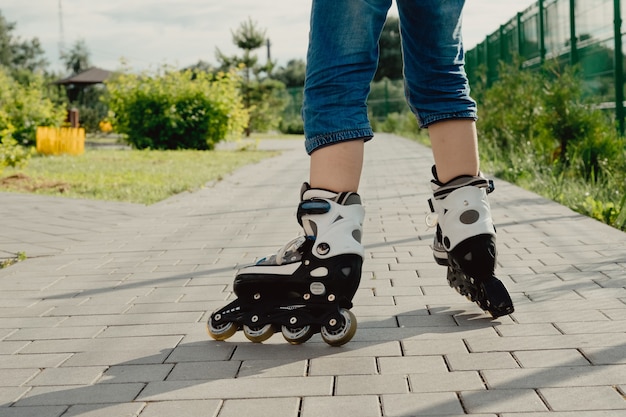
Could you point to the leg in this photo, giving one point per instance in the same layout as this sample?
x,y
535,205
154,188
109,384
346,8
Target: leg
x,y
338,166
307,286
341,63
455,148
438,93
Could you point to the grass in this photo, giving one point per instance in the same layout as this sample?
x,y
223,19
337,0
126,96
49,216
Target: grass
x,y
18,257
144,177
603,199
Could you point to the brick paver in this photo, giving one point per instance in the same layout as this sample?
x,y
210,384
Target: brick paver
x,y
107,316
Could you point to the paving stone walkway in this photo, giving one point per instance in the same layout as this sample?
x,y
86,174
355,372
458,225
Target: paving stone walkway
x,y
107,316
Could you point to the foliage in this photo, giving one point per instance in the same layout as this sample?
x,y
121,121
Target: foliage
x,y
24,107
91,106
264,97
12,154
538,131
269,98
77,59
390,59
509,109
87,99
176,109
248,37
19,55
292,126
386,96
18,257
292,74
404,124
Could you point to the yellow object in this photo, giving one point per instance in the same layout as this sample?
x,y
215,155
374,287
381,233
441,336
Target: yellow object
x,y
105,126
55,140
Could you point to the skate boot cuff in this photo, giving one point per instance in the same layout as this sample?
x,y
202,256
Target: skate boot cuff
x,y
441,190
461,210
344,198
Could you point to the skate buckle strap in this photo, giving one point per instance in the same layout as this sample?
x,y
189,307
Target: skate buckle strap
x,y
289,252
312,207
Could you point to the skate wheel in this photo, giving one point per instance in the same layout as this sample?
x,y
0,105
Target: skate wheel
x,y
298,335
343,334
258,334
221,331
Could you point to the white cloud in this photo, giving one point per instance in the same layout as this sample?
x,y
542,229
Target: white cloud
x,y
181,32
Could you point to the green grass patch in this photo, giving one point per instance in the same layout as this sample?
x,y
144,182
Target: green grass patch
x,y
144,177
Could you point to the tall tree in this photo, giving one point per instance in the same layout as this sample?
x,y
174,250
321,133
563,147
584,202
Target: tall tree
x,y
293,74
78,58
17,54
264,98
248,37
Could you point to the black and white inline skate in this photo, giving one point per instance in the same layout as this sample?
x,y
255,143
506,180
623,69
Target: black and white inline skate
x,y
465,241
306,287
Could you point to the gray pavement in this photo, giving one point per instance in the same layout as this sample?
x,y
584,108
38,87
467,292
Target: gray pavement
x,y
107,316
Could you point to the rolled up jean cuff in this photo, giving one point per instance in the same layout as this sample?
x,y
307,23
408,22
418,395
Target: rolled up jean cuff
x,y
426,121
318,141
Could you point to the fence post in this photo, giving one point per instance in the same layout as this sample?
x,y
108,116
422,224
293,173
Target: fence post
x,y
619,66
573,36
542,33
520,36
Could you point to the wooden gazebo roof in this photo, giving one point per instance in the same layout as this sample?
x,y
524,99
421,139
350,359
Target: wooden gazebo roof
x,y
90,76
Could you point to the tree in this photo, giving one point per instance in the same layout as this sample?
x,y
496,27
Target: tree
x,y
263,97
201,67
78,58
390,61
19,55
293,74
248,38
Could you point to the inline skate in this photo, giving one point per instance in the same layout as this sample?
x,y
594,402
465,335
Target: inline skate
x,y
307,286
465,241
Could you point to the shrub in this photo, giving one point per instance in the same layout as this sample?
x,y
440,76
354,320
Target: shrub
x,y
404,124
509,109
176,110
292,126
12,154
537,130
24,107
267,100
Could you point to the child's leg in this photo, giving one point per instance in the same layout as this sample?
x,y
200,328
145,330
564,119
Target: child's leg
x,y
337,167
455,148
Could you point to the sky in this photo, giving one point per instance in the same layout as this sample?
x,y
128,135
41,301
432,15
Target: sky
x,y
148,34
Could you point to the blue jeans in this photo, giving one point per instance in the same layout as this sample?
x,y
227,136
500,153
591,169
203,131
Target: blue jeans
x,y
343,56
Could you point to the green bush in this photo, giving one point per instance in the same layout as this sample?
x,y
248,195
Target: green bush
x,y
509,110
386,97
404,124
266,101
23,107
537,130
176,110
12,154
293,126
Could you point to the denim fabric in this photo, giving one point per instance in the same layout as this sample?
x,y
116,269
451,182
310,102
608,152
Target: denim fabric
x,y
343,56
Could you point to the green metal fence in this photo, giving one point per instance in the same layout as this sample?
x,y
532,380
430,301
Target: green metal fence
x,y
584,32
